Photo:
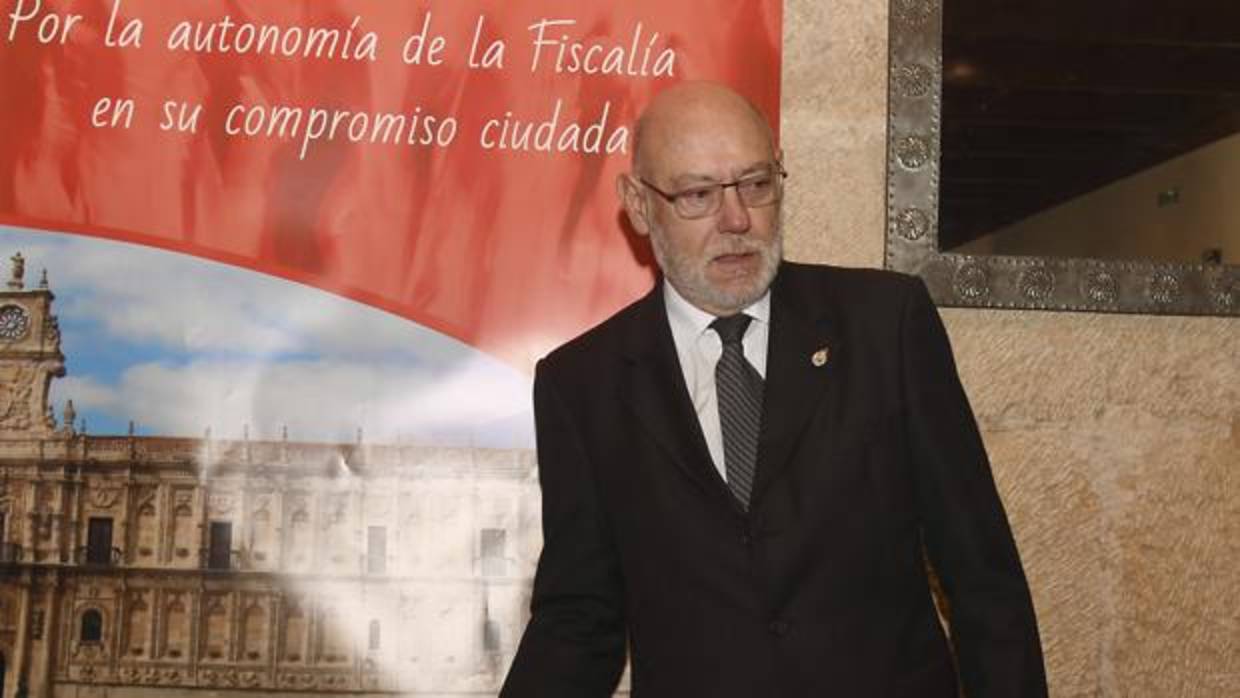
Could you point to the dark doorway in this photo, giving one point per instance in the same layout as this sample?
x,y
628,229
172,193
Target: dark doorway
x,y
220,555
92,626
99,541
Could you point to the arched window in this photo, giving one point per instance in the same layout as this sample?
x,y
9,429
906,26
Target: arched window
x,y
92,626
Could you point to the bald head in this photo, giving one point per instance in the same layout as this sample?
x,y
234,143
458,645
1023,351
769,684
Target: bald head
x,y
705,188
692,108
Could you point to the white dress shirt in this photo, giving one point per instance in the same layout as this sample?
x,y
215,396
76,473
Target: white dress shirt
x,y
698,347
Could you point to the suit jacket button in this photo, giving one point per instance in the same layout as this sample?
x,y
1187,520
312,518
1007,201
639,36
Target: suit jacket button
x,y
778,628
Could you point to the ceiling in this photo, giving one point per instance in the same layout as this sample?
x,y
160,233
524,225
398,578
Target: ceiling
x,y
1045,100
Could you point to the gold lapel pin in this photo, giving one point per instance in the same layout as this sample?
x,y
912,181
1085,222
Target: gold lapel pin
x,y
819,359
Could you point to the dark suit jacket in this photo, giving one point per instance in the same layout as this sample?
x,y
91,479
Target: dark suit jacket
x,y
821,588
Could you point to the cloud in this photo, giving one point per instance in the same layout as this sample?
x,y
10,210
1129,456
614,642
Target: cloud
x,y
319,400
86,393
203,344
138,294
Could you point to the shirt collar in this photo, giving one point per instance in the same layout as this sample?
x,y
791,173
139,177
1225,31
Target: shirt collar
x,y
687,317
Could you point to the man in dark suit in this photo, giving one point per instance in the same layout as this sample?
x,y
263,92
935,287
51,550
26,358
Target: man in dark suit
x,y
743,470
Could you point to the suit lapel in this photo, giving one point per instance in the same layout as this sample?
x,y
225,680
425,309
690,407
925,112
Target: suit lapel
x,y
656,394
799,378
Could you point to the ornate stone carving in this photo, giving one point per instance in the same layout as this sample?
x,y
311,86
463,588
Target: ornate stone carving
x,y
183,501
218,678
69,420
51,330
334,682
141,675
44,515
298,681
16,282
105,497
86,673
262,503
89,652
221,503
16,387
144,495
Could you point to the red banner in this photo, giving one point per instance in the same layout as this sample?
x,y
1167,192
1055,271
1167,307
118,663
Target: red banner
x,y
451,162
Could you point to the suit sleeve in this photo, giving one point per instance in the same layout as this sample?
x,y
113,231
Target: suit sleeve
x,y
967,536
574,645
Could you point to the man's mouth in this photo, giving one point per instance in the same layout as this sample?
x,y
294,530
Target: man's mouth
x,y
733,258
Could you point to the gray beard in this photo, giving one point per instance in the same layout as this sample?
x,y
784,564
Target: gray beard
x,y
691,282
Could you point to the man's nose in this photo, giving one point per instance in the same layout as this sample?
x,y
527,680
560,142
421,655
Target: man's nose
x,y
733,213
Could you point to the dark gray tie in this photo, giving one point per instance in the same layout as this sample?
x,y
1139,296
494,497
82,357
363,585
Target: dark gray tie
x,y
739,387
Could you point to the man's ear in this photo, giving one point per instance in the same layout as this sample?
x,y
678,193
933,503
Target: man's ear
x,y
631,197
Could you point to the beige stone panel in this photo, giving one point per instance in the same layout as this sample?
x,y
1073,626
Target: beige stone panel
x,y
1125,522
833,130
1068,365
1114,443
1056,520
1174,514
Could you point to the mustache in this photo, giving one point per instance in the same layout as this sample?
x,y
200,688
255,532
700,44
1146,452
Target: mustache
x,y
737,245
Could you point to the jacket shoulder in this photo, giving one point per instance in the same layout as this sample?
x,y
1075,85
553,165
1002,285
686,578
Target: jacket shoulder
x,y
852,288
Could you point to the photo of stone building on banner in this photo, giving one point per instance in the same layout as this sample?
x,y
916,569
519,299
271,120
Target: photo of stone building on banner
x,y
138,564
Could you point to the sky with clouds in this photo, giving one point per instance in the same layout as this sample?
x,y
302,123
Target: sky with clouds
x,y
179,344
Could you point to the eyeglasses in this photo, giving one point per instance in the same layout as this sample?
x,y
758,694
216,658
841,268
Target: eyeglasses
x,y
760,189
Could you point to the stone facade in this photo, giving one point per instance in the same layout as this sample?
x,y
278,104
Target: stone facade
x,y
152,566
